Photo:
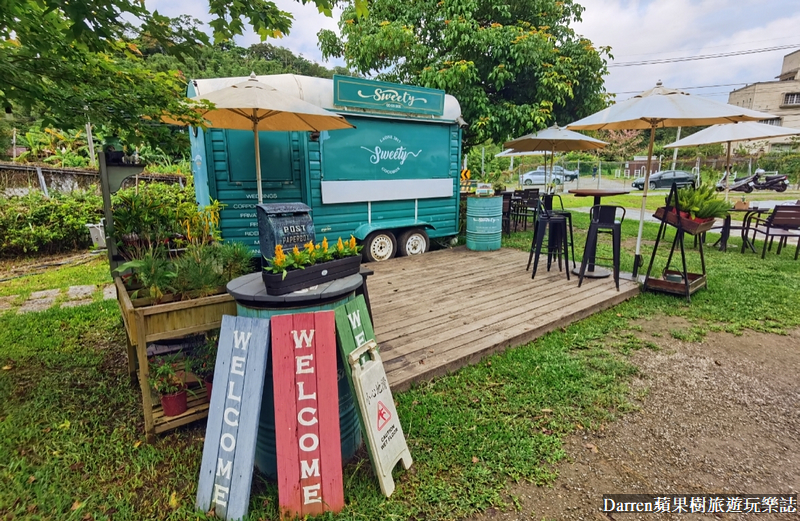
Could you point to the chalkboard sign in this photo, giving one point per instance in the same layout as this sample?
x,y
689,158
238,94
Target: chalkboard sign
x,y
379,418
226,471
307,439
287,224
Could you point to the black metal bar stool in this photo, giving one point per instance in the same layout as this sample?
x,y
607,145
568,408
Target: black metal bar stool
x,y
548,221
603,219
547,199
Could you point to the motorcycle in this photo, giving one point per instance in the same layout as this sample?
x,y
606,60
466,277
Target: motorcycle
x,y
742,184
777,182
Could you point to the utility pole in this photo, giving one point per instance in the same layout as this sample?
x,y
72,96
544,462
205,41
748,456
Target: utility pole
x,y
675,151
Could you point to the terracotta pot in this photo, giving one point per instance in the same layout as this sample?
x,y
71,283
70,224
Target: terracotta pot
x,y
174,404
208,381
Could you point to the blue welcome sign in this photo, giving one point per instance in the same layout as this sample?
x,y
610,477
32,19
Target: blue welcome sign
x,y
381,95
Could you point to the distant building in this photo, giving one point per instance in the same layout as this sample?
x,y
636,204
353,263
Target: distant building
x,y
780,97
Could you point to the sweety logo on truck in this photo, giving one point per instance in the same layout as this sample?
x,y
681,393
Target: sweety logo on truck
x,y
391,158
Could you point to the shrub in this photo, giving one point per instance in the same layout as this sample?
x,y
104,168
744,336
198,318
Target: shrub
x,y
35,224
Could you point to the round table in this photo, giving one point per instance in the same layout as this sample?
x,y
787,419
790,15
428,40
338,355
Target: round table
x,y
593,271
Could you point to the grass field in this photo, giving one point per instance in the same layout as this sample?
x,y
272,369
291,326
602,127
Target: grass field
x,y
71,428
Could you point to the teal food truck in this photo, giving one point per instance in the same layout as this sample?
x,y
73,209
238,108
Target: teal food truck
x,y
392,182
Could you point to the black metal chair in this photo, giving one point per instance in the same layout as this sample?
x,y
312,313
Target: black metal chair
x,y
548,200
603,219
548,221
506,217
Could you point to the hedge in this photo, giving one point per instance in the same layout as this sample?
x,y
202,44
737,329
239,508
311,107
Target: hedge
x,y
35,224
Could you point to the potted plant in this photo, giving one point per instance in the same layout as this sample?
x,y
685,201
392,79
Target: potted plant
x,y
204,359
314,264
694,210
170,384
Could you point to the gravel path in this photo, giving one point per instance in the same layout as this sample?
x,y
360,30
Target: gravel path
x,y
721,416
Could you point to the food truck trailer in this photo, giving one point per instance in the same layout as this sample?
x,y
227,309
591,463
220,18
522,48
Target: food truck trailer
x,y
392,181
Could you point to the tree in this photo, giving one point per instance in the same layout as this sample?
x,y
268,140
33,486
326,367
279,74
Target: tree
x,y
515,67
72,61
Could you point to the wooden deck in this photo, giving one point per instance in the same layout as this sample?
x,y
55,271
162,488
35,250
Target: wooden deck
x,y
440,311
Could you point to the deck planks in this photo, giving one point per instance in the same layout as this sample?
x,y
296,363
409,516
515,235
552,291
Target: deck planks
x,y
440,311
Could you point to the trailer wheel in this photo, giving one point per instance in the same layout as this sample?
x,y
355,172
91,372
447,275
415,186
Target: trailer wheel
x,y
413,242
380,246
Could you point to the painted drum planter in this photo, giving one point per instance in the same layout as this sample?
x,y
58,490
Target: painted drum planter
x,y
295,280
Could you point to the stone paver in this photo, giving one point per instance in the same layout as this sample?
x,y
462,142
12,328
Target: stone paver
x,y
38,304
47,293
74,303
5,302
80,292
110,292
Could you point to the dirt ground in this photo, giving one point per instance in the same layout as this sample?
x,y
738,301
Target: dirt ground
x,y
717,417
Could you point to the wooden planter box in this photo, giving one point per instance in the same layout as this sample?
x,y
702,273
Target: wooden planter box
x,y
146,322
689,226
295,280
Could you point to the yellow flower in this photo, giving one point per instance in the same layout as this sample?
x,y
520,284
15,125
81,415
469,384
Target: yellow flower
x,y
325,244
295,251
352,242
339,245
309,246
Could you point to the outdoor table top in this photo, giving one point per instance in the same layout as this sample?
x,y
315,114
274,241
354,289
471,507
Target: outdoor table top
x,y
250,289
597,192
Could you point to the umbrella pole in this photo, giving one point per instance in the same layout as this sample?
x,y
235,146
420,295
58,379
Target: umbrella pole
x,y
728,173
552,162
637,260
258,159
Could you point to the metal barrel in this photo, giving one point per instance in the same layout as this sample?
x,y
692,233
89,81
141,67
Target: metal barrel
x,y
484,223
349,427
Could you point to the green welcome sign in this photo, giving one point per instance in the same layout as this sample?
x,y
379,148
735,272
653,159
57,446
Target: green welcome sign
x,y
381,95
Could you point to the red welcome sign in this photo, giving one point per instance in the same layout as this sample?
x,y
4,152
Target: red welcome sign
x,y
308,444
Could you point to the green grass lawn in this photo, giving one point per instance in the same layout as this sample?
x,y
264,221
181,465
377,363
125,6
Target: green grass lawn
x,y
71,428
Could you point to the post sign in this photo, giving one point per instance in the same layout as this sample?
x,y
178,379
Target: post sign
x,y
381,95
287,224
226,471
379,419
307,439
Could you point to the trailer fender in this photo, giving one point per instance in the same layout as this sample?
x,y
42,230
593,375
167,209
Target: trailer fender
x,y
364,230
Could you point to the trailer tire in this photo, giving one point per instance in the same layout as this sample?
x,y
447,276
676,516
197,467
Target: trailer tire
x,y
413,242
380,246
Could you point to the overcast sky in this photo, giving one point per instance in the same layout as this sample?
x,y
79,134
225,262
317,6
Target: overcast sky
x,y
636,30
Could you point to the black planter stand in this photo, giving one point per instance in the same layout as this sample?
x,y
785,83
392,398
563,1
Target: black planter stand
x,y
672,281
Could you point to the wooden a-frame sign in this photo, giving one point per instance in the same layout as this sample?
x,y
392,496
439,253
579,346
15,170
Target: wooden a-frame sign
x,y
226,471
307,438
378,415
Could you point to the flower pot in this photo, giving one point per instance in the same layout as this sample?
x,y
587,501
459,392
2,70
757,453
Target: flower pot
x,y
692,227
174,404
208,382
277,284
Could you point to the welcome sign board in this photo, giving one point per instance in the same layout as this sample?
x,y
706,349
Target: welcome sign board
x,y
307,439
379,418
226,471
381,95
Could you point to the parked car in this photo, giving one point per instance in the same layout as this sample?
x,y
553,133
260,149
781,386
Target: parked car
x,y
665,178
537,177
566,175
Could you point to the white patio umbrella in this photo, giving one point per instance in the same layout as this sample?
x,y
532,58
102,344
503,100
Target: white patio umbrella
x,y
510,152
728,133
662,107
252,105
553,139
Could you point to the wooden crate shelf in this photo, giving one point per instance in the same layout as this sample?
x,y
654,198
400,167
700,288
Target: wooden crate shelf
x,y
149,323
